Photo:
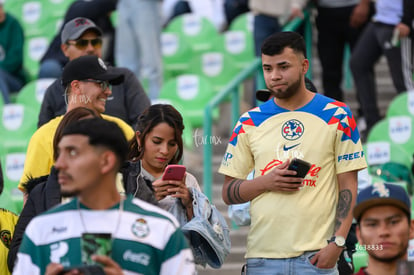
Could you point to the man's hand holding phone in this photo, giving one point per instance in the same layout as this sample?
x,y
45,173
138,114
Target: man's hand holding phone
x,y
287,176
300,166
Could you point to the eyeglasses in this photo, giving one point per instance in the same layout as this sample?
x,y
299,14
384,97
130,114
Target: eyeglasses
x,y
81,44
104,84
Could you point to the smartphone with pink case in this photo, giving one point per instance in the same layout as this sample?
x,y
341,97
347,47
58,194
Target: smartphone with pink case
x,y
174,172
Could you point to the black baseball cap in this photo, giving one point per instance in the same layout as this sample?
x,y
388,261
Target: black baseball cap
x,y
264,94
74,28
89,67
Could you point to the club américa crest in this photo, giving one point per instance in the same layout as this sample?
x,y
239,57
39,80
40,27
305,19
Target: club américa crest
x,y
292,129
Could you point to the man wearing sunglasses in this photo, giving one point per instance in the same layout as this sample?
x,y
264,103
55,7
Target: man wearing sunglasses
x,y
98,11
86,81
81,37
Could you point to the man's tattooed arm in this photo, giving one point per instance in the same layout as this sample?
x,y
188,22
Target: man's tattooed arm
x,y
233,191
343,208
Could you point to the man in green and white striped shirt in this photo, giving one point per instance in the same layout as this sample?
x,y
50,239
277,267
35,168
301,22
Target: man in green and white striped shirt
x,y
144,239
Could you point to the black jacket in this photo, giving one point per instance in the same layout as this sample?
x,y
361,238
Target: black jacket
x,y
135,184
128,101
44,193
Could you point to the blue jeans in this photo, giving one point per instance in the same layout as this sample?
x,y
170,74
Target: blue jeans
x,y
9,83
50,68
138,41
263,27
293,266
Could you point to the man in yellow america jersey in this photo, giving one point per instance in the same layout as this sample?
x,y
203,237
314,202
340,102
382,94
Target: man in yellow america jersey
x,y
298,226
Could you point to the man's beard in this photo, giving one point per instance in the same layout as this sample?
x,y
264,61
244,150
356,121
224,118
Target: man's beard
x,y
290,91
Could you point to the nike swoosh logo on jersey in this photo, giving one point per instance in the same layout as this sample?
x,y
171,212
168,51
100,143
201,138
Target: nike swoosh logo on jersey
x,y
285,148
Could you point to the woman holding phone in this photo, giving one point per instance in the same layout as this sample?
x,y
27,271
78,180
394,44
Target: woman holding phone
x,y
153,174
157,144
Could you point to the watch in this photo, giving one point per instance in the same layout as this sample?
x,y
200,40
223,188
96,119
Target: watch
x,y
338,240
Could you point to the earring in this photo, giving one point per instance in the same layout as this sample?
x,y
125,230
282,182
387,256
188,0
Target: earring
x,y
139,148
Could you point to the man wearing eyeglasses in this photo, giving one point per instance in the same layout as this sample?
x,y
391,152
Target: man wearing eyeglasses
x,y
81,37
86,81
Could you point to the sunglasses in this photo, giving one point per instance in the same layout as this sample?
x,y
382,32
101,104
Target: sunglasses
x,y
104,84
81,44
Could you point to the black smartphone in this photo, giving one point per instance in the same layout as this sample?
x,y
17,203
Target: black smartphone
x,y
300,166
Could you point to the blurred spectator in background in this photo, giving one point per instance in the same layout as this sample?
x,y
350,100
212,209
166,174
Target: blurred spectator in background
x,y
270,16
387,34
7,223
176,8
138,41
12,77
233,8
213,10
339,23
81,37
96,10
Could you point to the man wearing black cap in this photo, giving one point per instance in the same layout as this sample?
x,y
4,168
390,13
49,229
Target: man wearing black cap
x,y
87,82
384,227
81,37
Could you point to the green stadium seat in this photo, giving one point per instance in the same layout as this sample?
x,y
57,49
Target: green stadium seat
x,y
12,199
402,104
218,67
243,22
34,48
381,152
12,160
39,17
56,8
114,18
32,93
395,129
191,91
198,31
389,162
17,125
32,17
176,54
14,7
237,44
